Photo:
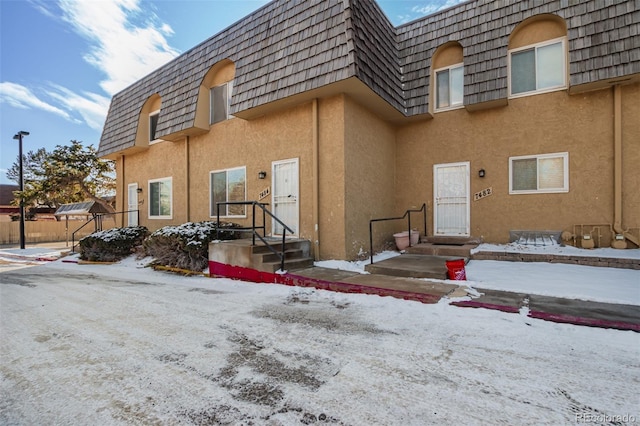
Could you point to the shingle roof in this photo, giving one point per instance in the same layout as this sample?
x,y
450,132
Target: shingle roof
x,y
291,46
603,37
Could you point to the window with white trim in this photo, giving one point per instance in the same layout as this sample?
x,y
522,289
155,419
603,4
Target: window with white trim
x,y
220,102
225,186
449,87
160,198
538,68
153,125
534,174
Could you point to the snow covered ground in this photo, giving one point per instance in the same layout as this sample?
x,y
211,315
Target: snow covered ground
x,y
609,285
122,344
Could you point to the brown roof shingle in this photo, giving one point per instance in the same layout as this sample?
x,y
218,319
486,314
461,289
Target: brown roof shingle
x,y
288,47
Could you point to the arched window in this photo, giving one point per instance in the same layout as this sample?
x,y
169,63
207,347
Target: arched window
x,y
448,77
214,100
537,56
148,121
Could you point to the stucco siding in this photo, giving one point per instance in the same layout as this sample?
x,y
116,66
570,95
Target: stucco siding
x,y
555,122
161,160
631,157
370,150
331,172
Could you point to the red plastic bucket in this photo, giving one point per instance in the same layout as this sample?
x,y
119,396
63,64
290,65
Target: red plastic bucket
x,y
455,270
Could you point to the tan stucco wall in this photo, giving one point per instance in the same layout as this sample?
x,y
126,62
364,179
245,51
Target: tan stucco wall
x,y
581,125
331,173
370,151
631,157
255,145
161,160
367,168
537,29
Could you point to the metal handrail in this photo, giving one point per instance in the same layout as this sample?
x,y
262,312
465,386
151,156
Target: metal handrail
x,y
406,214
254,228
97,218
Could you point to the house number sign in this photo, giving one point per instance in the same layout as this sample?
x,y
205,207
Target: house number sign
x,y
264,193
482,194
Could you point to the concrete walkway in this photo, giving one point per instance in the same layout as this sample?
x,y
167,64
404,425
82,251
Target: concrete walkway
x,y
562,310
556,309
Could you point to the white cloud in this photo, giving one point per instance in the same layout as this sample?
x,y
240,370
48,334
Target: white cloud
x,y
125,43
435,6
123,46
92,107
59,101
19,96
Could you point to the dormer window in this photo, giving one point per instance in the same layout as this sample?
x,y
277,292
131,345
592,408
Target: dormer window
x,y
538,68
450,87
447,78
219,102
153,125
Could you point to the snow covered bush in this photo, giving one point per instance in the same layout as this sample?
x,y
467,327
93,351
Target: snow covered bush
x,y
186,246
112,244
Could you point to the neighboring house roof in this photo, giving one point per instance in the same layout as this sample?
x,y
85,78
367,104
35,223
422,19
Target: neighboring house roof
x,y
6,194
85,207
289,47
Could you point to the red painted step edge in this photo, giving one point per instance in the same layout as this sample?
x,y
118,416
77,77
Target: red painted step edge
x,y
559,318
473,304
591,322
217,269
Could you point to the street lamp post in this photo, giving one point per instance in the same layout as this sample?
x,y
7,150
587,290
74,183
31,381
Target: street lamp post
x,y
18,136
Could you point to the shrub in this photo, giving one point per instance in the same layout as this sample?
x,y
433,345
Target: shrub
x,y
186,246
112,244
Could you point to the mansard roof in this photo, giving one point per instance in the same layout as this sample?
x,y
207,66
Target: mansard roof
x,y
289,47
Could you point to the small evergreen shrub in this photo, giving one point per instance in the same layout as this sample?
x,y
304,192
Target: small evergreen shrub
x,y
112,244
186,246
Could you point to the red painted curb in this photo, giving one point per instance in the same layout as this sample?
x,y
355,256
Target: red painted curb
x,y
590,322
217,269
559,318
473,304
222,270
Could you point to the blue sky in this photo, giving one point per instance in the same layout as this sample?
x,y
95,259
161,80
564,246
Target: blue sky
x,y
61,61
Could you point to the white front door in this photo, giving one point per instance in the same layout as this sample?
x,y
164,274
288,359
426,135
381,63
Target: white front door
x,y
132,197
285,195
451,199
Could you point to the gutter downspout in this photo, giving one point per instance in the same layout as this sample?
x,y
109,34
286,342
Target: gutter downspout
x,y
617,166
187,179
316,180
122,191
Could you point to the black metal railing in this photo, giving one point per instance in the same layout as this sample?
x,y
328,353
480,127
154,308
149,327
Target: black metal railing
x,y
255,228
406,214
97,220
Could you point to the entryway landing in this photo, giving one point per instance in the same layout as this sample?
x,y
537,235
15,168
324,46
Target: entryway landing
x,y
426,259
413,266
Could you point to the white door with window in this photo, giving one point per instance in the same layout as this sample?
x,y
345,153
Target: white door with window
x,y
132,197
285,195
451,215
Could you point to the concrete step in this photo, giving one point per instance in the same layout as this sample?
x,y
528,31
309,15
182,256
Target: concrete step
x,y
244,254
450,240
431,249
289,254
412,265
289,265
276,244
